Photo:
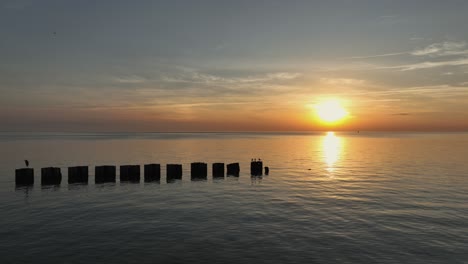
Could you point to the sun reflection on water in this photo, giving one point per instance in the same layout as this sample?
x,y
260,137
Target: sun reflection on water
x,y
331,150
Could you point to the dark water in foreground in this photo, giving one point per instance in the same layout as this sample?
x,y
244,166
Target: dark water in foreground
x,y
344,198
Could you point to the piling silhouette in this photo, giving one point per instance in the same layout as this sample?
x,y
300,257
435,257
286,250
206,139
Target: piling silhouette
x,y
256,168
78,174
198,170
24,176
233,169
218,170
152,172
51,176
130,173
104,174
173,172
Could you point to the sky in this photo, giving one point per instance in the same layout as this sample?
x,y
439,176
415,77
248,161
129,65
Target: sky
x,y
149,66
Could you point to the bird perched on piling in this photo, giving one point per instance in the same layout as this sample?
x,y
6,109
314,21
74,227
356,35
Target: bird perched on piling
x,y
26,162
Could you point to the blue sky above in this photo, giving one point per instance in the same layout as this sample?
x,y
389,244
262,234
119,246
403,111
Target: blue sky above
x,y
231,65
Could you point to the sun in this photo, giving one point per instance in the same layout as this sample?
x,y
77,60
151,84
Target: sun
x,y
330,111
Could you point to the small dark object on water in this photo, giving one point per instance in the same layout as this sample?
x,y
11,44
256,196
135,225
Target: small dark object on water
x,y
51,176
233,169
104,173
218,170
130,173
256,168
152,172
173,172
78,174
24,176
198,170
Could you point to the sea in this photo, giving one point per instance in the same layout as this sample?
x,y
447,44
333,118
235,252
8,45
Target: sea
x,y
330,197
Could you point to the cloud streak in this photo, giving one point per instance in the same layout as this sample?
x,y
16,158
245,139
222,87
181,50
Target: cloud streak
x,y
380,55
194,76
428,65
446,48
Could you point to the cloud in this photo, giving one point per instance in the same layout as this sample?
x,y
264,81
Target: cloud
x,y
130,79
442,49
380,55
342,81
194,76
428,65
401,114
446,48
416,38
436,90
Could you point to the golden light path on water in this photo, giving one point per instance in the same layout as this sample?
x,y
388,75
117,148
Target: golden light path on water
x,y
332,146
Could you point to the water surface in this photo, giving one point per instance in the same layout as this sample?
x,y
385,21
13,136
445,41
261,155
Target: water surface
x,y
329,198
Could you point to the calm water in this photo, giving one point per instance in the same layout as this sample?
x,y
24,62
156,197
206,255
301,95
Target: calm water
x,y
343,198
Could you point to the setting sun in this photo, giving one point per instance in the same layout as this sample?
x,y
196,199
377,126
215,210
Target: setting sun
x,y
330,111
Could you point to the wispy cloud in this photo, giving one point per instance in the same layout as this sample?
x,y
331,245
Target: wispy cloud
x,y
194,76
436,90
380,55
446,48
428,65
342,81
442,49
130,79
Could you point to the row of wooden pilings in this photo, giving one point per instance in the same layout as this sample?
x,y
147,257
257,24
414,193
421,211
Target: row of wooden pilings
x,y
131,173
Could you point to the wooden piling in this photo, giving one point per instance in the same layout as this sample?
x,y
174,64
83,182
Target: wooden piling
x,y
51,176
256,168
218,170
233,169
78,174
267,170
198,170
152,172
130,173
24,176
173,172
104,173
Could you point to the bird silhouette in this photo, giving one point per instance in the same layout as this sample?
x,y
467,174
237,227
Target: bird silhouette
x,y
26,162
